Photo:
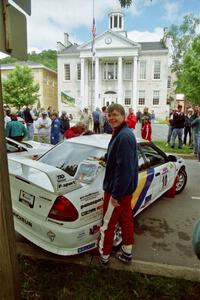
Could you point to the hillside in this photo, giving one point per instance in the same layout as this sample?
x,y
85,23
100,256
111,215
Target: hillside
x,y
47,57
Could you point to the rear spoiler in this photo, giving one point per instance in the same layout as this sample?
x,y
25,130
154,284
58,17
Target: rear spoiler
x,y
60,181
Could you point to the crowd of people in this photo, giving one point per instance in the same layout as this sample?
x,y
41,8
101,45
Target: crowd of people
x,y
52,128
28,122
182,126
49,127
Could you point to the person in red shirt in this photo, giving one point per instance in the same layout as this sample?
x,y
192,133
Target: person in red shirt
x,y
131,119
146,130
75,130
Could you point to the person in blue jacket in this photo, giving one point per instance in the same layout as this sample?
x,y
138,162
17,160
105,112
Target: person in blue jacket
x,y
120,181
55,129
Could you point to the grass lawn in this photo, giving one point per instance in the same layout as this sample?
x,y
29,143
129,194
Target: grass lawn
x,y
48,280
168,149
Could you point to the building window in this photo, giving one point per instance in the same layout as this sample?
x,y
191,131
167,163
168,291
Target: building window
x,y
169,82
120,22
115,21
156,97
110,71
91,72
156,74
142,74
127,100
128,70
78,71
111,22
67,71
141,97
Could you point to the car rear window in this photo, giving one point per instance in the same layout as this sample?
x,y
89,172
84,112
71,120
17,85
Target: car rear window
x,y
67,156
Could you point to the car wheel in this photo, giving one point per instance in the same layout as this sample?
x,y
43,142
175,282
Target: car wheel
x,y
181,181
118,237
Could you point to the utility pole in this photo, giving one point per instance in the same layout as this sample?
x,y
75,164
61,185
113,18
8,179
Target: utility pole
x,y
13,41
8,262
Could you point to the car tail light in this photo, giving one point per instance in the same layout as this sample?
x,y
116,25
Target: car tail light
x,y
63,210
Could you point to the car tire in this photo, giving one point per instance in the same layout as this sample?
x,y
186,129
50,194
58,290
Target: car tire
x,y
117,238
181,181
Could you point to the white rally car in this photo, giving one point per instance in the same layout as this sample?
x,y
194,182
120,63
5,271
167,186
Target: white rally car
x,y
57,200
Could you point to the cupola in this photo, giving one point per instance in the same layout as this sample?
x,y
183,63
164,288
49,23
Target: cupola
x,y
116,21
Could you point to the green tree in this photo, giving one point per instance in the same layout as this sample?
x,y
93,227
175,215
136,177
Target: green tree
x,y
47,57
19,88
181,37
189,78
127,3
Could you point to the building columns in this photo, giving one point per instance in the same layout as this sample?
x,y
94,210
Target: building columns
x,y
135,91
96,100
83,100
120,72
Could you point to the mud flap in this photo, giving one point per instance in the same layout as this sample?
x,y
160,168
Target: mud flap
x,y
171,193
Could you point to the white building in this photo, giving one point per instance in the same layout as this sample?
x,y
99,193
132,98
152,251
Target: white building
x,y
123,71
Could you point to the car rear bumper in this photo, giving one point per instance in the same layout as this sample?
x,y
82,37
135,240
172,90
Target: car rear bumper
x,y
56,238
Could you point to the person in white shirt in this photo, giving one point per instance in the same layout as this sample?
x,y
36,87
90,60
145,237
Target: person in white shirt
x,y
6,118
43,125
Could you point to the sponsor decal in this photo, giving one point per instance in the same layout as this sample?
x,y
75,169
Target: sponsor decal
x,y
66,184
44,198
89,196
164,181
85,248
91,203
84,213
24,220
81,234
95,229
51,235
60,177
164,170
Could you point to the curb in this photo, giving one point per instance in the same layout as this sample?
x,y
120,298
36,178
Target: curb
x,y
86,259
185,156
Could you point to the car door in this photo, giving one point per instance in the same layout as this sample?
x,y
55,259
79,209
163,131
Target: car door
x,y
143,194
164,171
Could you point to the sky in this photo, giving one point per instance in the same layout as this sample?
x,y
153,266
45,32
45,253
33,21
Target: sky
x,y
144,20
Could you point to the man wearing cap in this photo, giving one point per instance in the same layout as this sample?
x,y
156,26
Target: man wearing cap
x,y
43,125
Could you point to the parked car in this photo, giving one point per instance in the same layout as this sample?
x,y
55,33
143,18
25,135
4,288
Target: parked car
x,y
58,199
29,149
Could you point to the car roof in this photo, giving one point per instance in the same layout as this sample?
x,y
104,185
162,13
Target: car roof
x,y
96,140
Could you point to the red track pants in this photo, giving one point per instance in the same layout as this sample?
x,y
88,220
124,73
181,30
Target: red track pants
x,y
112,216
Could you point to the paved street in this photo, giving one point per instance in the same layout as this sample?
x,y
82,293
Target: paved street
x,y
159,131
164,230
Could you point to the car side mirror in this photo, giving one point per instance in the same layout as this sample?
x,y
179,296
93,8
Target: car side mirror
x,y
171,158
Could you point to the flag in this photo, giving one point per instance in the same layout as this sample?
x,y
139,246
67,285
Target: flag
x,y
94,29
94,35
